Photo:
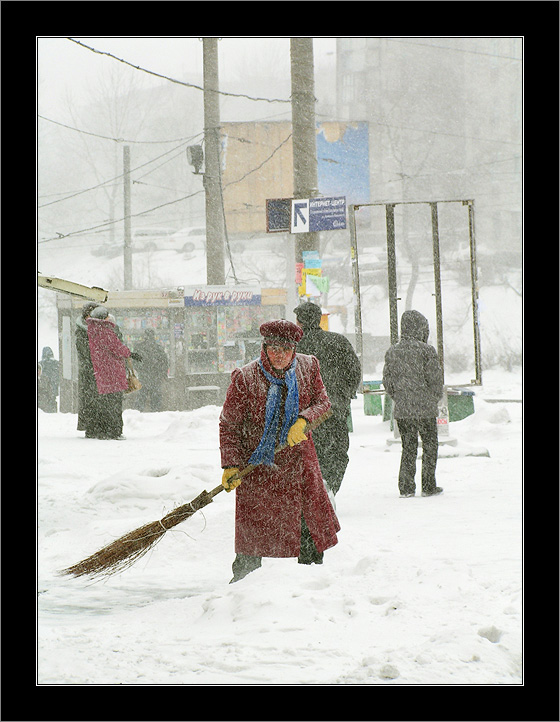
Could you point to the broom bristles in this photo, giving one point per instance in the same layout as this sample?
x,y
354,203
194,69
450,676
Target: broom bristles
x,y
125,551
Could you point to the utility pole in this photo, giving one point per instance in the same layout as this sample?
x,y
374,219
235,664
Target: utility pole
x,y
127,258
437,282
215,258
304,141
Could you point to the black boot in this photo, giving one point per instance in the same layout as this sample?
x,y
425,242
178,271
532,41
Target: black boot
x,y
244,564
308,553
432,492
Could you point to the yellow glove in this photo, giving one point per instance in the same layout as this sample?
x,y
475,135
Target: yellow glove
x,y
295,434
226,476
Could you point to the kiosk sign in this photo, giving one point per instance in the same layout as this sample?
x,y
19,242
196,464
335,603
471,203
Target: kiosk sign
x,y
222,296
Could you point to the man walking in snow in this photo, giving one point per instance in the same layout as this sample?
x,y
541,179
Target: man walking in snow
x,y
48,381
152,372
342,374
282,508
88,395
413,378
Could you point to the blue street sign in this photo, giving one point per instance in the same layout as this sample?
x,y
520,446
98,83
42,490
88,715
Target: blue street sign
x,y
327,214
318,214
304,215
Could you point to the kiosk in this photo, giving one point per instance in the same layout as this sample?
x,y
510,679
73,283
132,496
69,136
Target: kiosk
x,y
206,332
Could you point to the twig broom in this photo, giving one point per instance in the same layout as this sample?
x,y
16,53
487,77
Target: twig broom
x,y
125,551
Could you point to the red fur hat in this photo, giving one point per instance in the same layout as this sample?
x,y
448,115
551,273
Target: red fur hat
x,y
281,330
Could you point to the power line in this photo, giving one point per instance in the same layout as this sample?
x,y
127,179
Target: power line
x,y
453,50
464,169
108,137
118,220
441,132
108,223
165,162
179,82
261,165
135,182
112,180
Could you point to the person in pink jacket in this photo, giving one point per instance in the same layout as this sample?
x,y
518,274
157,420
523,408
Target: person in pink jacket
x,y
282,506
108,356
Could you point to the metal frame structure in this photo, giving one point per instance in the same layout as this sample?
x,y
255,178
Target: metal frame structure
x,y
392,276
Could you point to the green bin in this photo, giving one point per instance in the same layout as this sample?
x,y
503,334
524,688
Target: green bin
x,y
372,402
387,408
460,403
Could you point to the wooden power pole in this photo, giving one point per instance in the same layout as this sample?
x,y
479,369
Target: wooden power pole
x,y
127,257
304,141
215,258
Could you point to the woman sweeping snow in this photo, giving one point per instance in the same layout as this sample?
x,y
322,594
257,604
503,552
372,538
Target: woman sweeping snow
x,y
282,507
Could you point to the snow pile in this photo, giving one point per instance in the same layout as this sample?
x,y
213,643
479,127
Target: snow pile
x,y
418,591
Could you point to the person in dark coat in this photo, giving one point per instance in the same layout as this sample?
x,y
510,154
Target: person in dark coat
x,y
282,508
342,374
87,388
48,382
108,356
413,378
152,372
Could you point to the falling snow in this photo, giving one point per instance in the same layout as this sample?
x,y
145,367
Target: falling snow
x,y
417,591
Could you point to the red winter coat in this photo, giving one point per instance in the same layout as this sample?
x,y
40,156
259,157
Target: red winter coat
x,y
270,502
107,356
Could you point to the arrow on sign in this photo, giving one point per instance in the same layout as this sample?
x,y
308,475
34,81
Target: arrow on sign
x,y
299,214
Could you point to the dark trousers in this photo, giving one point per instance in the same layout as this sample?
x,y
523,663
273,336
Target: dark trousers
x,y
332,442
87,400
409,430
46,402
149,397
106,417
244,564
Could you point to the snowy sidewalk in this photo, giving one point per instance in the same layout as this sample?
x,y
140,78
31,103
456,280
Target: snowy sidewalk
x,y
418,591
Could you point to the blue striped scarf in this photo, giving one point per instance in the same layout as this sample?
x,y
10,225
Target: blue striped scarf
x,y
264,453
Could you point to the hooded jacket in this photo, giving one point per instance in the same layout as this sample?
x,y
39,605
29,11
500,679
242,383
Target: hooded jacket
x,y
412,373
107,356
49,367
340,366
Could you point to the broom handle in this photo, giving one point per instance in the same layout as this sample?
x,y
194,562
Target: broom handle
x,y
249,468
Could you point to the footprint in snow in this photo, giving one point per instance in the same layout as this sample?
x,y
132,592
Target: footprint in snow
x,y
389,671
493,634
156,472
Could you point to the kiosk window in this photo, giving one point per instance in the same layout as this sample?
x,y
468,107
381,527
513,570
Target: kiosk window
x,y
202,350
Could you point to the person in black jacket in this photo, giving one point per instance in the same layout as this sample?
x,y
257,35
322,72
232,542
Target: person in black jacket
x,y
413,378
342,374
88,396
48,382
152,372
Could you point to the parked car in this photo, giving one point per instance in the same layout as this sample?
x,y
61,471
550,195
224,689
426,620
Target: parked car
x,y
109,250
154,238
189,239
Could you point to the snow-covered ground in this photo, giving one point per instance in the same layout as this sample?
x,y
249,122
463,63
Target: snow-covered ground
x,y
418,591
